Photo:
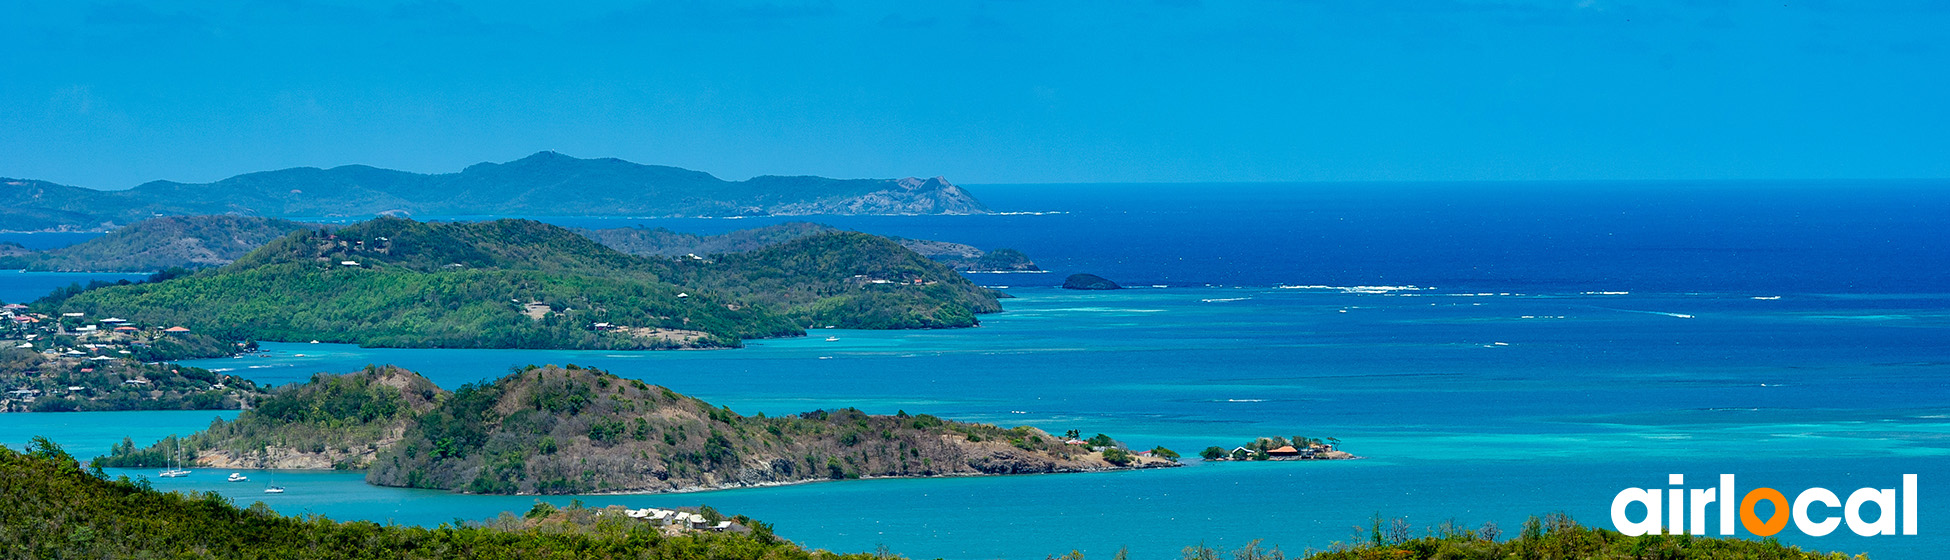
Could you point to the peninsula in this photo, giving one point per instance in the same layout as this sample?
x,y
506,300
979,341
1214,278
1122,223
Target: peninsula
x,y
524,284
570,430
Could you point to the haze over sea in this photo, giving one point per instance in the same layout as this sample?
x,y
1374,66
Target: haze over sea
x,y
1540,347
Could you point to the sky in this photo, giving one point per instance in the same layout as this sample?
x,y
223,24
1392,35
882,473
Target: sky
x,y
112,94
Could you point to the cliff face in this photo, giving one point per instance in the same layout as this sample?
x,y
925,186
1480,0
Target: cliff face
x,y
549,430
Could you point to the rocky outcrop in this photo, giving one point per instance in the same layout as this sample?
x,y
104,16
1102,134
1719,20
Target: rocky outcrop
x,y
1089,282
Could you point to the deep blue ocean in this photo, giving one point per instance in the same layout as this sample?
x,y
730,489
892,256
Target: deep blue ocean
x,y
1539,347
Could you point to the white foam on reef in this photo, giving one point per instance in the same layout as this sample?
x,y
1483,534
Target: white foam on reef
x,y
1025,213
1766,298
1606,293
1668,314
1005,272
1224,299
1359,289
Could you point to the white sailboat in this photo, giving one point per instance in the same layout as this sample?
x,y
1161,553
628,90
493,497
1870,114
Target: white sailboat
x,y
176,469
274,488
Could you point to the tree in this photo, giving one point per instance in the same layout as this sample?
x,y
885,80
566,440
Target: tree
x,y
1212,453
1162,453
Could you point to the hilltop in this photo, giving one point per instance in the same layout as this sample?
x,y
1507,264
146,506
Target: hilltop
x,y
543,184
524,284
568,430
663,242
158,244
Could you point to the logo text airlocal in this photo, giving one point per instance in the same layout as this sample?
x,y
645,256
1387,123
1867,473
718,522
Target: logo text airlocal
x,y
1684,505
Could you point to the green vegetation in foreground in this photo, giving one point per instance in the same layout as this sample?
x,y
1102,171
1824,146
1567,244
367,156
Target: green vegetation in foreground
x,y
159,244
54,509
523,284
571,430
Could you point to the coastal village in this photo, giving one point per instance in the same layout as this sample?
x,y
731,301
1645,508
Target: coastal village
x,y
72,362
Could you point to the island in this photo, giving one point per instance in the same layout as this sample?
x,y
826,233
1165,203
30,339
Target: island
x,y
573,430
1278,448
543,184
158,244
1089,282
396,282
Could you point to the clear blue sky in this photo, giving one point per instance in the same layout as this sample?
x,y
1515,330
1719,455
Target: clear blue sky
x,y
111,94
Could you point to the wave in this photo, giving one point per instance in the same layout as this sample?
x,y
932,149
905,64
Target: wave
x,y
1359,289
1666,313
1226,299
1606,293
1766,298
1027,213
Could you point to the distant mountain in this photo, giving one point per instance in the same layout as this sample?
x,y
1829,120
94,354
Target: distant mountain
x,y
157,244
544,184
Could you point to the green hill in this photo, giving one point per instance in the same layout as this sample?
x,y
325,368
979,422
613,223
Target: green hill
x,y
159,244
524,284
666,243
549,430
543,184
54,509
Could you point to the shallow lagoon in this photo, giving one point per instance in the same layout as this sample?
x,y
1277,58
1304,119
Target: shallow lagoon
x,y
1588,394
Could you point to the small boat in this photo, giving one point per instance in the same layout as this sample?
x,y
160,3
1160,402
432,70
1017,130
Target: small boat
x,y
274,490
174,473
832,339
238,477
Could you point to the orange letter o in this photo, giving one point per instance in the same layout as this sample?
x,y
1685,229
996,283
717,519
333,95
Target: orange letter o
x,y
1774,523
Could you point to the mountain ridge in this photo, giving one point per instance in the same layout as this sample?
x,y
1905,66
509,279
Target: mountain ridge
x,y
543,184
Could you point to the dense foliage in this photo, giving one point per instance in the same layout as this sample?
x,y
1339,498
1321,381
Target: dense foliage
x,y
524,284
551,430
54,509
662,242
332,421
160,243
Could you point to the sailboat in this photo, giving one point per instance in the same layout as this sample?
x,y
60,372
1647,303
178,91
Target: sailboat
x,y
273,488
176,469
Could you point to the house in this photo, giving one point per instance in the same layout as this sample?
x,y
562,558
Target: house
x,y
1283,451
348,263
114,320
126,328
176,330
136,382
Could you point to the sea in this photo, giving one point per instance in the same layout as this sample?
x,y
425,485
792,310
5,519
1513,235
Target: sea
x,y
1490,351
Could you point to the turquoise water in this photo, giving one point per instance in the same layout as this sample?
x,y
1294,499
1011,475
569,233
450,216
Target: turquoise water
x,y
1585,395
